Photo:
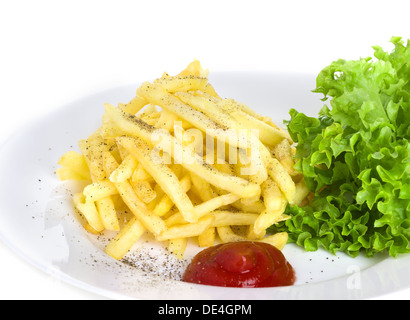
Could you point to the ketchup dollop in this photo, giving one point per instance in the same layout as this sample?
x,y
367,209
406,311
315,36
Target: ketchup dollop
x,y
245,264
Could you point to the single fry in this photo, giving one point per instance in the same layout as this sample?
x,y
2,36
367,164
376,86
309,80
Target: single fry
x,y
144,191
134,105
251,235
204,208
194,69
178,247
272,196
226,218
301,193
140,174
283,152
99,190
230,105
277,240
90,229
268,135
125,170
74,167
278,173
207,238
256,207
108,214
182,83
186,230
125,239
166,203
227,235
92,149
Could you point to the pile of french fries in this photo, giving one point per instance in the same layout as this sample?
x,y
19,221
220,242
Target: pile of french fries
x,y
142,161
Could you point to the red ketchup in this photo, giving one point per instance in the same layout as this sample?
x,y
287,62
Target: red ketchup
x,y
244,264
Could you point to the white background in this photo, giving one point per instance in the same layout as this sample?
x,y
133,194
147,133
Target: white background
x,y
53,52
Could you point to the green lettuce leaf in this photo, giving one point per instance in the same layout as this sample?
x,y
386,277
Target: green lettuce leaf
x,y
355,157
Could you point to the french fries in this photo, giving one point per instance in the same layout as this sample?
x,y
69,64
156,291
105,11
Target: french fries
x,y
162,174
187,164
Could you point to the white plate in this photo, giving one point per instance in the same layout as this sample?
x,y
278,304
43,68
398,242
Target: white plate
x,y
37,219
